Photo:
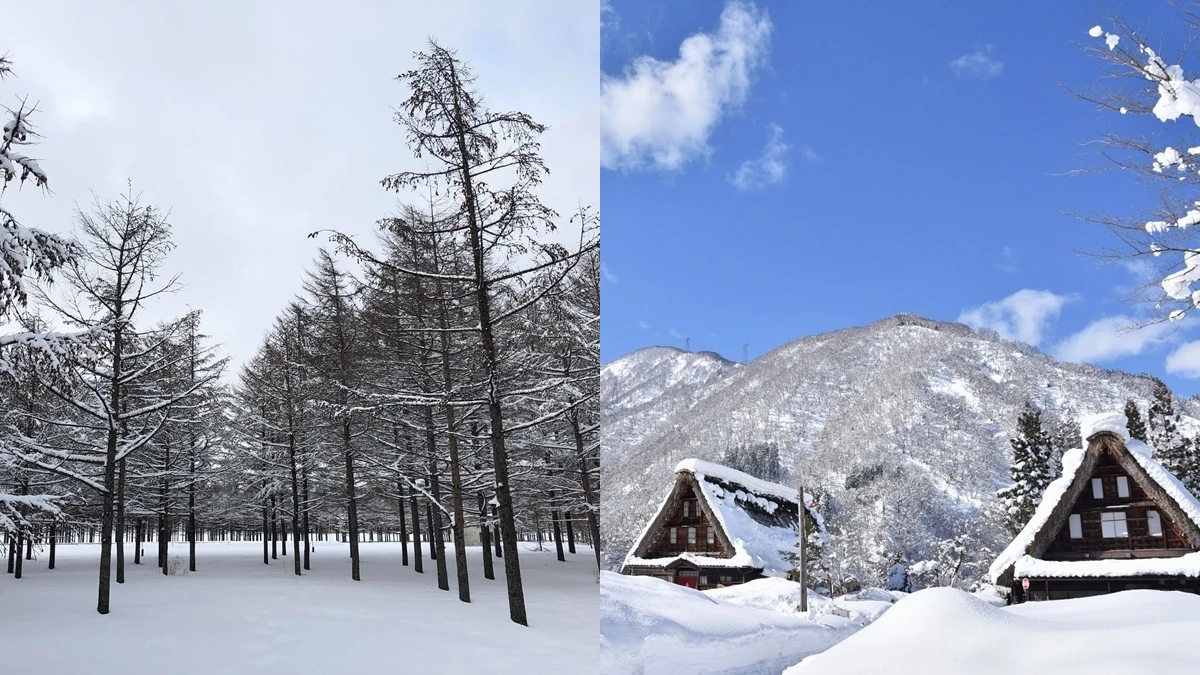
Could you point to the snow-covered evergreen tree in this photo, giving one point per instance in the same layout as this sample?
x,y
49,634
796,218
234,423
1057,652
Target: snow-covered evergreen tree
x,y
1031,470
1136,425
1175,451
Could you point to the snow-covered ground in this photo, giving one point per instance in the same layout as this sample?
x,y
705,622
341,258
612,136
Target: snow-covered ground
x,y
653,627
236,615
943,631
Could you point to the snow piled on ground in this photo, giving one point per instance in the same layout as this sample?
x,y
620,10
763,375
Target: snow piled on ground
x,y
652,627
943,631
235,615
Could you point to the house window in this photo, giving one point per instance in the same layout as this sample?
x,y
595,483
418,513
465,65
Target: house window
x,y
1076,526
711,535
1154,523
1097,488
685,508
1112,524
1122,486
674,536
691,535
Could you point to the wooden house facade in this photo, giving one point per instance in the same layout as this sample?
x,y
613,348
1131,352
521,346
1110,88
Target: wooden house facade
x,y
718,527
1116,520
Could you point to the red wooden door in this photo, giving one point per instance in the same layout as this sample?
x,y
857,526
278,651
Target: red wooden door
x,y
689,578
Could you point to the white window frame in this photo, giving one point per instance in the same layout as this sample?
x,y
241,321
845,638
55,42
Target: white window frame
x,y
711,535
1154,522
1122,486
691,535
1076,524
674,535
1113,525
1098,488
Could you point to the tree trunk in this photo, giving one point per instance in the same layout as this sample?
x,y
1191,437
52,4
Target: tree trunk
x,y
496,532
53,542
191,522
137,542
416,524
351,499
558,543
274,530
485,538
307,533
106,519
585,479
403,525
266,533
17,548
570,533
121,524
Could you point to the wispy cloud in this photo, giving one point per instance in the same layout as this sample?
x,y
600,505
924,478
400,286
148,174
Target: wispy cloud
x,y
978,65
1008,262
1112,337
659,115
1185,360
1024,316
644,325
770,168
608,275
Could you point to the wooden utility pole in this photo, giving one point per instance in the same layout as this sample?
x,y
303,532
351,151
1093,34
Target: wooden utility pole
x,y
802,517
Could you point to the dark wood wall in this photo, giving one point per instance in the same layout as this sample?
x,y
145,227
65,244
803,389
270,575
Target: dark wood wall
x,y
1138,543
696,519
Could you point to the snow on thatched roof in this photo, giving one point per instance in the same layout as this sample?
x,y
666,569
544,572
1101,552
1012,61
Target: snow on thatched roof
x,y
757,518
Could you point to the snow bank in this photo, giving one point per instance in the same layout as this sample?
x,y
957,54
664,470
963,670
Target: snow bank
x,y
652,627
945,631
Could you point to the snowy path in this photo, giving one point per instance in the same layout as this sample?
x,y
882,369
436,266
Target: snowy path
x,y
652,627
236,615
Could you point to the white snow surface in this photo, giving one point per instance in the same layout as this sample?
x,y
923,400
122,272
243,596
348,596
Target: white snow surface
x,y
652,627
1185,565
1113,422
943,631
258,619
1015,552
755,544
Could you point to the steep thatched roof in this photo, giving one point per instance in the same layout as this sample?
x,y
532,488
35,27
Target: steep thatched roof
x,y
1106,439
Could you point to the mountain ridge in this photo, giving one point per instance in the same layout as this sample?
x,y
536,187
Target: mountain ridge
x,y
903,422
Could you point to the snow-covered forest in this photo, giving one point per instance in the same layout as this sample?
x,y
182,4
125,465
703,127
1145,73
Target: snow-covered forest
x,y
434,387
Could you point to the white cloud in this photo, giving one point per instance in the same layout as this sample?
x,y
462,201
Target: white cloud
x,y
1111,337
608,275
810,154
644,325
660,114
1185,361
768,169
979,64
1024,315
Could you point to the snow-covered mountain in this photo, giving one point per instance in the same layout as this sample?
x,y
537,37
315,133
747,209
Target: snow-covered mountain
x,y
903,424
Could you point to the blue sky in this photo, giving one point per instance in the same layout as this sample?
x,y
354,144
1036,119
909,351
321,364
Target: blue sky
x,y
805,167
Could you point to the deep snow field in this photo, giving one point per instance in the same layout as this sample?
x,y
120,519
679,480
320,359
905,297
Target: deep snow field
x,y
653,627
942,631
236,615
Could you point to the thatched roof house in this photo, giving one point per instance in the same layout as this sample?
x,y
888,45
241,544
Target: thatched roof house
x,y
1115,520
719,526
